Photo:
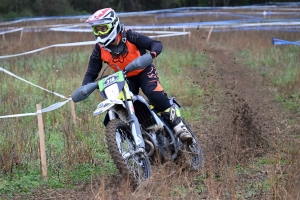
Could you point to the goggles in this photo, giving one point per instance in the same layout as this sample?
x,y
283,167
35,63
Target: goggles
x,y
101,29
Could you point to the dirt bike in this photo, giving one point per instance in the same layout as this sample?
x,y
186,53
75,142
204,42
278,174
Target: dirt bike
x,y
136,135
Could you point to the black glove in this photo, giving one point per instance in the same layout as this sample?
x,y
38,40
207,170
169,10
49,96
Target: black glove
x,y
153,54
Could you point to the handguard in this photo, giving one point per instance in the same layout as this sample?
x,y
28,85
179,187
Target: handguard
x,y
84,91
139,63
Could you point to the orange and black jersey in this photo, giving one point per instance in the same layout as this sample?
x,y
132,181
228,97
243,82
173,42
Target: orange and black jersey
x,y
136,44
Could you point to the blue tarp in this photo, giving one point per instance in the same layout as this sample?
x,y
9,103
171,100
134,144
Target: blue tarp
x,y
276,41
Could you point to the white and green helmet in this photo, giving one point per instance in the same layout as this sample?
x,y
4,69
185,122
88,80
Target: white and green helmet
x,y
105,17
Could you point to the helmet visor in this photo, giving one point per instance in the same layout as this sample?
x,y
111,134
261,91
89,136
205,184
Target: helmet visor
x,y
101,29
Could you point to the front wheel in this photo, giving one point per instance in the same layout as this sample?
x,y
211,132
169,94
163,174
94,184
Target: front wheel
x,y
192,154
131,162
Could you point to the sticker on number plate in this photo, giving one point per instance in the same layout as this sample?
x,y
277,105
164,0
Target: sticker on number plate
x,y
103,106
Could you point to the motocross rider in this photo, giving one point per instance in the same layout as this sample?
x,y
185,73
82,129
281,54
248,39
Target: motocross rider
x,y
115,45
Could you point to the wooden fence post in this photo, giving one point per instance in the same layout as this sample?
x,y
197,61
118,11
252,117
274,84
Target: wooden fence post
x,y
275,54
211,28
21,35
42,140
73,111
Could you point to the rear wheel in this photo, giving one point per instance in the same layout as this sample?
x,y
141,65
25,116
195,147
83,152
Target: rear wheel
x,y
192,153
131,163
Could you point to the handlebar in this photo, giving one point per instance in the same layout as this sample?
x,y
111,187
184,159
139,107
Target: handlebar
x,y
139,63
84,91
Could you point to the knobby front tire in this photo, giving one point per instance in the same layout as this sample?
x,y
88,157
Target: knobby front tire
x,y
120,142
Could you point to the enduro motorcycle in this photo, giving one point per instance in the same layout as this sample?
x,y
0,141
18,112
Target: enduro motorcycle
x,y
137,136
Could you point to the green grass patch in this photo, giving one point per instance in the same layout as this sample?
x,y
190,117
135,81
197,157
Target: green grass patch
x,y
282,71
25,180
74,153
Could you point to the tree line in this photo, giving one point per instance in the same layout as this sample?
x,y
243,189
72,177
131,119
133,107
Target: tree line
x,y
32,8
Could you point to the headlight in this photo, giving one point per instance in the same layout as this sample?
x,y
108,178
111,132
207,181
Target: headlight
x,y
112,91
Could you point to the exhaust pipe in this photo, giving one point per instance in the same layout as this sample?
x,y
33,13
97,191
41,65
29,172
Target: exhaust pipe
x,y
151,151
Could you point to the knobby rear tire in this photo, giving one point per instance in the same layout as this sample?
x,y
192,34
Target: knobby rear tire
x,y
119,140
195,160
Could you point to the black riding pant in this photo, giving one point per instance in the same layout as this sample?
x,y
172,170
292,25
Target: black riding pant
x,y
148,81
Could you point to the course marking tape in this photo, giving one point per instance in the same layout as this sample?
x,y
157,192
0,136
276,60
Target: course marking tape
x,y
55,45
50,108
83,43
9,73
10,31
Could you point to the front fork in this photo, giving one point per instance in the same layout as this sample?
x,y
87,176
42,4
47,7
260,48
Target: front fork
x,y
111,115
135,126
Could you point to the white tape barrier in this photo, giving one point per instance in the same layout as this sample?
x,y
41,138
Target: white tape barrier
x,y
135,28
59,104
55,45
50,108
11,31
8,72
286,6
262,24
12,22
67,29
170,33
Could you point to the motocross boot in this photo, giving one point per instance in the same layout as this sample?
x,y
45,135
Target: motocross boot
x,y
172,115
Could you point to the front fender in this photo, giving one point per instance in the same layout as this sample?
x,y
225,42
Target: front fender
x,y
107,104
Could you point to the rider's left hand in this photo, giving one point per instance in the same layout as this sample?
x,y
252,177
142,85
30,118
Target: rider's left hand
x,y
153,54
